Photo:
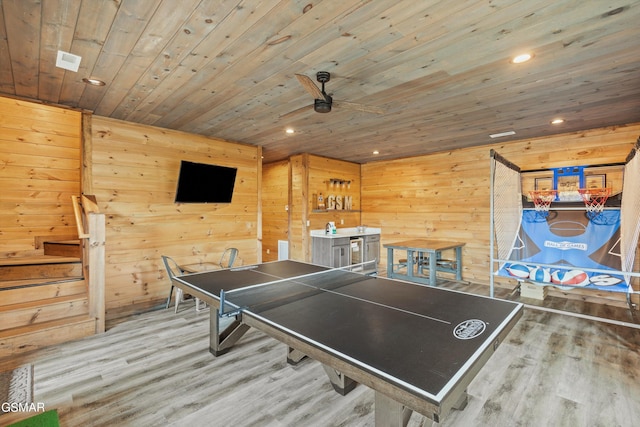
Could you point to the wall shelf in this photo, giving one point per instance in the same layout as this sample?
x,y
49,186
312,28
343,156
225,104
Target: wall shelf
x,y
334,210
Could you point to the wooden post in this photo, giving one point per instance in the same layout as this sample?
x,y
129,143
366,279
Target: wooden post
x,y
259,218
96,269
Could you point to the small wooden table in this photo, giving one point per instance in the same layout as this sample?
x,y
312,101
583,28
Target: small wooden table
x,y
421,254
200,267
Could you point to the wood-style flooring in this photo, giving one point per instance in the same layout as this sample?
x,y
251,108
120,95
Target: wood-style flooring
x,y
155,370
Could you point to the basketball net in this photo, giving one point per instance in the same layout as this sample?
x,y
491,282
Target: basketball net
x,y
594,199
542,200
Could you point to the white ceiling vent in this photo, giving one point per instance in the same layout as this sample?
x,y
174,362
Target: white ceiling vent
x,y
500,135
68,61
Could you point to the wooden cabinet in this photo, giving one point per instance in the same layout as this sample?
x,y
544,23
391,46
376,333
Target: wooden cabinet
x,y
341,255
331,252
372,248
336,251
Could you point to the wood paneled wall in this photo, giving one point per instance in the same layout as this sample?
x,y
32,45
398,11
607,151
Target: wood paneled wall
x,y
321,171
134,170
447,195
134,175
275,207
39,172
310,176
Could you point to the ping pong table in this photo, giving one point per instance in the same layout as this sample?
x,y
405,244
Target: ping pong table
x,y
417,347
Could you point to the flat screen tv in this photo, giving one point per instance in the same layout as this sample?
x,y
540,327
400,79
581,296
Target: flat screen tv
x,y
203,183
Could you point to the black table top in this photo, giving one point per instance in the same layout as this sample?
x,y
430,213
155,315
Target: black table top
x,y
420,338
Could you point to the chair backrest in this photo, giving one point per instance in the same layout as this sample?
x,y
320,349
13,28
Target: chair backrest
x,y
173,269
228,257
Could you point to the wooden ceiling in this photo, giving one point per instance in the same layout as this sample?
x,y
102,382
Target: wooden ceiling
x,y
440,70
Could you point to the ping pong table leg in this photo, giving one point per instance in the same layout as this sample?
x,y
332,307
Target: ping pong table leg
x,y
294,356
340,382
461,403
390,413
221,342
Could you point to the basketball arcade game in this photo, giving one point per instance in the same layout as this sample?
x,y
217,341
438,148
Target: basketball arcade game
x,y
567,227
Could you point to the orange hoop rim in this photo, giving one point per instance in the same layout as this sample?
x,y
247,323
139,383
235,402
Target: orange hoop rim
x,y
595,198
542,199
542,193
595,192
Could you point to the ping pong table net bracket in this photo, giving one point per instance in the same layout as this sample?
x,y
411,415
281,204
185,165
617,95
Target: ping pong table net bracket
x,y
227,313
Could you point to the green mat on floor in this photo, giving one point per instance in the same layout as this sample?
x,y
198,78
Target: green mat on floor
x,y
44,419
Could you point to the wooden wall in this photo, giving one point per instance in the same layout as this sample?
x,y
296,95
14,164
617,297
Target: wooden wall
x,y
275,207
307,176
134,175
446,195
321,170
39,172
133,171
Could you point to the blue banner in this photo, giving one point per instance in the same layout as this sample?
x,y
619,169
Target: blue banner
x,y
572,242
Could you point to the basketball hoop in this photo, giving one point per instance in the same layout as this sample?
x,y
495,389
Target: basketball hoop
x,y
594,200
542,200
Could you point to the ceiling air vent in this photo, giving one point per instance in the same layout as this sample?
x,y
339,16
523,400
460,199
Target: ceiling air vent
x,y
500,135
68,61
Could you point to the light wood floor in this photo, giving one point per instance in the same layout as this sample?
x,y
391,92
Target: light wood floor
x,y
155,370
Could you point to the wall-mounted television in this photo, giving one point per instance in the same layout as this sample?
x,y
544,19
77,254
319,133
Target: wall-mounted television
x,y
204,183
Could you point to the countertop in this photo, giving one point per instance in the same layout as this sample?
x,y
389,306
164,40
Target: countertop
x,y
345,232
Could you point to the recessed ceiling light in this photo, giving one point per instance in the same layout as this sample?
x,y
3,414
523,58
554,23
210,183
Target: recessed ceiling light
x,y
93,82
376,152
557,121
524,57
501,134
289,131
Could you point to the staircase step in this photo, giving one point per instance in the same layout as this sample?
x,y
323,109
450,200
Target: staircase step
x,y
40,267
28,313
27,338
17,295
35,260
27,283
68,248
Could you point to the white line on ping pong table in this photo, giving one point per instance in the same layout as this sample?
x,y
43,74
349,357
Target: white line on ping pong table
x,y
298,280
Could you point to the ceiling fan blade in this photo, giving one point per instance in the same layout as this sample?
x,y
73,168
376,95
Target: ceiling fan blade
x,y
310,87
296,111
358,107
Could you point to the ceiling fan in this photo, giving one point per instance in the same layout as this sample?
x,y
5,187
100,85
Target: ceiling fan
x,y
323,102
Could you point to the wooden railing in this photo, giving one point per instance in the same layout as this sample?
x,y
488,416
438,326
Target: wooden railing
x,y
91,228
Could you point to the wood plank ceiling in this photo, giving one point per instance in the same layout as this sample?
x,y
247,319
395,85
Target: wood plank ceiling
x,y
440,70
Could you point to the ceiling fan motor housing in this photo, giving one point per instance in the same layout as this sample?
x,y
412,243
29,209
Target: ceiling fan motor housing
x,y
322,106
